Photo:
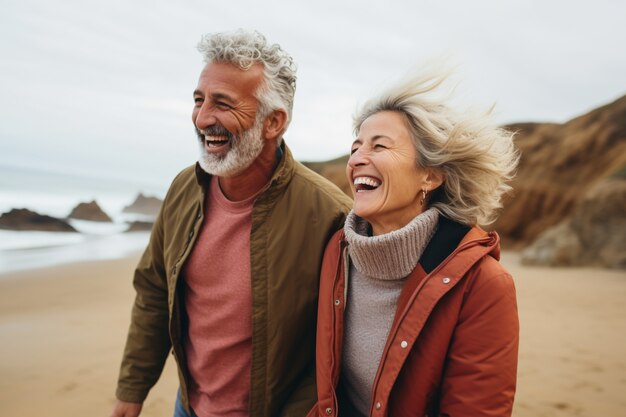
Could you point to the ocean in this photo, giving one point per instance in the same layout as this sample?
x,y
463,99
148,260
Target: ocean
x,y
56,194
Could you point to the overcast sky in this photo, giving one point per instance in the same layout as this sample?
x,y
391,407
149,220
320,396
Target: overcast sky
x,y
105,88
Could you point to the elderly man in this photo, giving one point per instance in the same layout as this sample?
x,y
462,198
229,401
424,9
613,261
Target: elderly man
x,y
229,279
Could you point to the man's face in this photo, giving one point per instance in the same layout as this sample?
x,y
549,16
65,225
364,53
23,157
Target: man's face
x,y
226,119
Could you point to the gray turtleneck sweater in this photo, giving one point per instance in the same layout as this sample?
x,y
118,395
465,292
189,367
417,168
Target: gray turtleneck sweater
x,y
378,269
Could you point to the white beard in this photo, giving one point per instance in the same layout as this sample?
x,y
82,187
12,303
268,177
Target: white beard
x,y
245,148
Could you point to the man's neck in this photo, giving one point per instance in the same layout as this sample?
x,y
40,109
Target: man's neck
x,y
252,179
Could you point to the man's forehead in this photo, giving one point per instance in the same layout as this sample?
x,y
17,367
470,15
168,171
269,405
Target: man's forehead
x,y
227,75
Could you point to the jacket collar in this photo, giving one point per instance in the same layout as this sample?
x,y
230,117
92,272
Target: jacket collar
x,y
490,239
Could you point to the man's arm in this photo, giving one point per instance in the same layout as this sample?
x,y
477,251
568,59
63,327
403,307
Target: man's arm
x,y
148,341
304,397
480,376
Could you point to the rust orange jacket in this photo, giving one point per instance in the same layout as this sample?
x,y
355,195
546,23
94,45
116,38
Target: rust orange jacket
x,y
452,348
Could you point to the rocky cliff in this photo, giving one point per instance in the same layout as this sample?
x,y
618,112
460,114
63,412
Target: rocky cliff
x,y
595,233
560,164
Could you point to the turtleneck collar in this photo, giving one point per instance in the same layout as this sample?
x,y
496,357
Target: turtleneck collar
x,y
393,255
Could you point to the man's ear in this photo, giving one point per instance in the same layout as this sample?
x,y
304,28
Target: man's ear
x,y
275,124
435,178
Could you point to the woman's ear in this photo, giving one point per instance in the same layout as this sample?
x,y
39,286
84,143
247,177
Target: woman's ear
x,y
275,124
434,178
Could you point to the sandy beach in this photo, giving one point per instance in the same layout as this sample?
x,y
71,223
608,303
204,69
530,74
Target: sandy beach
x,y
63,331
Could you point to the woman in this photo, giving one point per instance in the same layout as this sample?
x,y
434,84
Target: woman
x,y
416,316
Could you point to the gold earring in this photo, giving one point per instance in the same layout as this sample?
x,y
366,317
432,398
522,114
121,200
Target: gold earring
x,y
423,200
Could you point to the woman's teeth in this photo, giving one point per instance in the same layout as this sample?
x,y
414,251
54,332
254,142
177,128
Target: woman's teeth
x,y
366,183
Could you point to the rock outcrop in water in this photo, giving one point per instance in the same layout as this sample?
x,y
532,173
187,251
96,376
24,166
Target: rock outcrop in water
x,y
149,206
24,219
89,211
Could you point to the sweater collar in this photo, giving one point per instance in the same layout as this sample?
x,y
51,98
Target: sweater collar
x,y
393,255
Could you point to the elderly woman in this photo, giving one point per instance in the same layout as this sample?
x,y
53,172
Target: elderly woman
x,y
416,316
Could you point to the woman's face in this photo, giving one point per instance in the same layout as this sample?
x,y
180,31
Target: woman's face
x,y
383,173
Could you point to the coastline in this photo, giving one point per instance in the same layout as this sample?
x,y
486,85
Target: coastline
x,y
54,250
63,331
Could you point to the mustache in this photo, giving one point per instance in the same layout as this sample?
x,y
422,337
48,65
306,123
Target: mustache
x,y
214,130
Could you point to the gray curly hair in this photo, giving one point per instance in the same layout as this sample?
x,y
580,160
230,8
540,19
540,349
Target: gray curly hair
x,y
476,157
244,49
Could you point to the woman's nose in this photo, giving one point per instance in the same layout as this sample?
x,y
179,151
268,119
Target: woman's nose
x,y
358,158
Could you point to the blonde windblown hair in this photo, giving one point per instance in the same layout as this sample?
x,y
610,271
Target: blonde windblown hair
x,y
477,157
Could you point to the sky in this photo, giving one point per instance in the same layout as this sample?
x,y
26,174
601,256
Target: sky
x,y
104,89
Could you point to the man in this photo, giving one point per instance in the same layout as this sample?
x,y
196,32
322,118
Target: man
x,y
229,279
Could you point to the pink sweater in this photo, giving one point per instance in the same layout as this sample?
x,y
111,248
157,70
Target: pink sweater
x,y
218,299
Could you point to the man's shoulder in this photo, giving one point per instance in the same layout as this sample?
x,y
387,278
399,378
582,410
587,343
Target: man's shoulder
x,y
185,175
183,184
311,182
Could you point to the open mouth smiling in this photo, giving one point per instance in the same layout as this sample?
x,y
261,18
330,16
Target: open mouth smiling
x,y
214,137
363,184
216,141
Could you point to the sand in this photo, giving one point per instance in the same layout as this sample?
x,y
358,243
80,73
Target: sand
x,y
572,341
63,330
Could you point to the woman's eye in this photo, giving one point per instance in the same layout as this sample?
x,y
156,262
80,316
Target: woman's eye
x,y
353,150
379,146
197,100
222,105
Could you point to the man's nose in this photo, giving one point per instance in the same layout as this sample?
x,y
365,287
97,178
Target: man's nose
x,y
203,117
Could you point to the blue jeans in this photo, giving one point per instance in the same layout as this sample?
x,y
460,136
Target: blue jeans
x,y
179,410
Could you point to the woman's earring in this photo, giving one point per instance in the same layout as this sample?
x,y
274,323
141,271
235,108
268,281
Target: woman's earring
x,y
423,200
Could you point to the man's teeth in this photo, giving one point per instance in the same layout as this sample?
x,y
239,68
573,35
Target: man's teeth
x,y
372,182
215,140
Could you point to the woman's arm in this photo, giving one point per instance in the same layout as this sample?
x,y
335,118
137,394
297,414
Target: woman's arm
x,y
481,367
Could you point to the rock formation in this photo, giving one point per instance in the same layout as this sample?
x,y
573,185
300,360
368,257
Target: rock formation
x,y
89,211
560,164
595,234
144,205
24,219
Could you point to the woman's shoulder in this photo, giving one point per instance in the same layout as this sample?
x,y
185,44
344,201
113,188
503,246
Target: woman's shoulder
x,y
490,278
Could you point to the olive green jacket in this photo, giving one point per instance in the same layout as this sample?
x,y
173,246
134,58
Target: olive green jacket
x,y
291,222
